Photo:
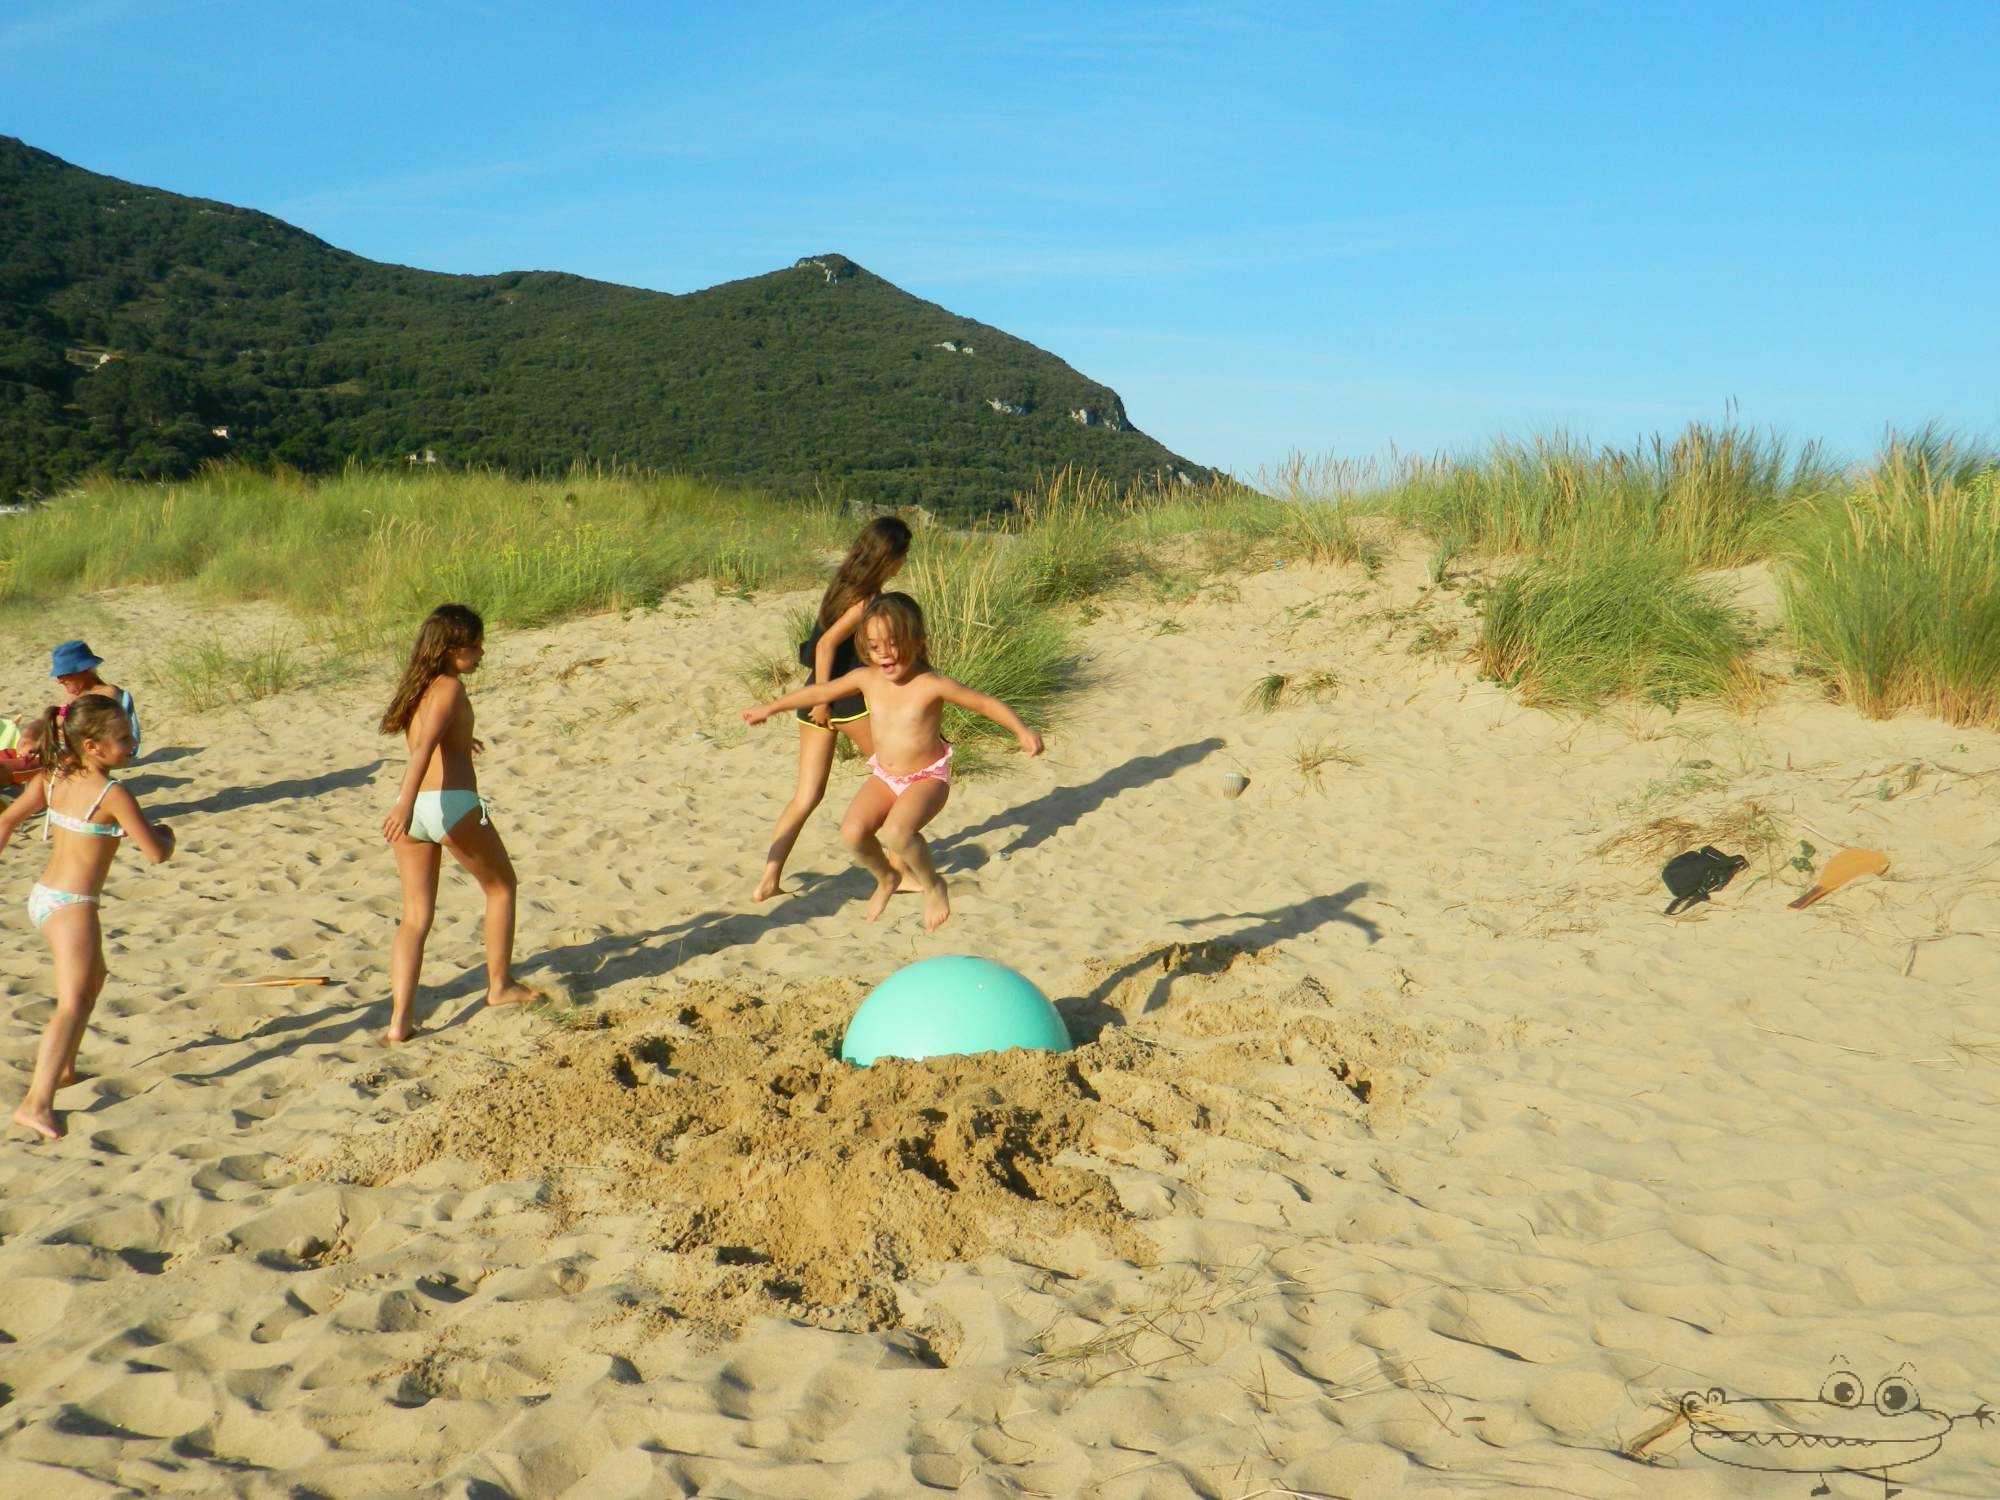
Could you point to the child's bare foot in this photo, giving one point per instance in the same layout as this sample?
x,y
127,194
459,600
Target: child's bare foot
x,y
42,1122
767,887
937,907
885,887
71,1079
394,1038
514,994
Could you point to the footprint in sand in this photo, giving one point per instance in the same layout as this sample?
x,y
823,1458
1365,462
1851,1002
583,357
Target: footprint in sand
x,y
293,1310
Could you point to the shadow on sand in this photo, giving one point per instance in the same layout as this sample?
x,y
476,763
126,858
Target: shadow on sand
x,y
1054,811
231,798
1088,1015
644,955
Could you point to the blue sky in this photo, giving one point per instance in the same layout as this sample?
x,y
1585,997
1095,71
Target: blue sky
x,y
1270,225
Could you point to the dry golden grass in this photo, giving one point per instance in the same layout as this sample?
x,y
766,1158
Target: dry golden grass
x,y
1745,827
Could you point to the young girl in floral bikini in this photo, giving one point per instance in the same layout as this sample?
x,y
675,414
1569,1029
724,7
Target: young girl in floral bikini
x,y
89,816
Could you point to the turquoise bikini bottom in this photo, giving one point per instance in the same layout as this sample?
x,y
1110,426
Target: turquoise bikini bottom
x,y
44,901
437,813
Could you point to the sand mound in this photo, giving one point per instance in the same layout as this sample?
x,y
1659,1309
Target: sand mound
x,y
771,1177
778,1177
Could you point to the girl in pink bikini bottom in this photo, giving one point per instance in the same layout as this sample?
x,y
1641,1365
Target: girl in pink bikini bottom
x,y
937,770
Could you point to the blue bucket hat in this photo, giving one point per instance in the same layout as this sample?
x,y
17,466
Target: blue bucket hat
x,y
73,656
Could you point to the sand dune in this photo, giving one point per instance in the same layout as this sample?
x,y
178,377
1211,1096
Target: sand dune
x,y
1410,1151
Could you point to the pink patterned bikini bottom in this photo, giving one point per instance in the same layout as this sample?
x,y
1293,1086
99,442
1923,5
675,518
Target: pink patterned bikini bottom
x,y
937,770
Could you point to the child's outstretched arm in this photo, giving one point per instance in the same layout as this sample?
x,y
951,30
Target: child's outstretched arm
x,y
958,694
154,840
808,697
31,801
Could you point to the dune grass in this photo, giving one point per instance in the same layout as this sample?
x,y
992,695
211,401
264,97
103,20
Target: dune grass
x,y
1713,497
1579,634
208,673
374,549
989,626
1065,540
1275,690
1890,573
1894,594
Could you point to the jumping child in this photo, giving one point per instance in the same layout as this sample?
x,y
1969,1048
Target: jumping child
x,y
436,810
877,556
80,744
911,763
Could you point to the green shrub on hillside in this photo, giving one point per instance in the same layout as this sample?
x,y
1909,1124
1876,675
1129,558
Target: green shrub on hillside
x,y
142,333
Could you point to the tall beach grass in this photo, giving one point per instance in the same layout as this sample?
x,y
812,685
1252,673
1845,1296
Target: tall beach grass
x,y
1581,633
1589,563
1893,595
988,626
374,549
1712,497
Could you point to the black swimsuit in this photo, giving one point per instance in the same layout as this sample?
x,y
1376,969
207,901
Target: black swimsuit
x,y
845,660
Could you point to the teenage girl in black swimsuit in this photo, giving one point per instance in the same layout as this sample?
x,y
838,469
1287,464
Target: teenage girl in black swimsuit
x,y
876,556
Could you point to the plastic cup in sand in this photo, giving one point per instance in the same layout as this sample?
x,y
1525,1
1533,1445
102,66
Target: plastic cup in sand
x,y
1233,783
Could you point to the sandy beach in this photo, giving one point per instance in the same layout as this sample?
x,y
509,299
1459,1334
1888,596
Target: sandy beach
x,y
1408,1150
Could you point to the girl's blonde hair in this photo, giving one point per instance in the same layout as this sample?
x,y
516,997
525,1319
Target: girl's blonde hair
x,y
884,542
905,619
65,726
448,628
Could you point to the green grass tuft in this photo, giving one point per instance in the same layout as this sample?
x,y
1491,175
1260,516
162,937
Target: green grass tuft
x,y
1713,497
988,628
1894,595
1578,635
203,675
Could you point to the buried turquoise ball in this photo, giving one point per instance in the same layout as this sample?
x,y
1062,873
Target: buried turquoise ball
x,y
942,1007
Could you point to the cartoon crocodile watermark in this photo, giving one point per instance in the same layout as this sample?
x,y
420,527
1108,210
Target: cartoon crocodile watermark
x,y
1846,1429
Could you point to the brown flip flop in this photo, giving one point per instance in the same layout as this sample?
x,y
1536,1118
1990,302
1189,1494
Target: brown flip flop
x,y
1848,864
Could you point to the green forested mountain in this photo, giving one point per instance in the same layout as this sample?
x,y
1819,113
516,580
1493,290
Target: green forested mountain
x,y
138,327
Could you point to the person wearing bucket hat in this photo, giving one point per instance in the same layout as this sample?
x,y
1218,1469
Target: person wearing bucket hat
x,y
75,665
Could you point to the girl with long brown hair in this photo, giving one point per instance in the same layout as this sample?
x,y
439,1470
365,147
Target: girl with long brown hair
x,y
877,556
436,808
80,744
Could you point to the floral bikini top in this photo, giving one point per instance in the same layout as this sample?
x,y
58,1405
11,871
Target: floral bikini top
x,y
83,824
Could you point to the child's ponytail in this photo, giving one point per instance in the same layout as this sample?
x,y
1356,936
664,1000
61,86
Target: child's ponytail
x,y
65,726
48,739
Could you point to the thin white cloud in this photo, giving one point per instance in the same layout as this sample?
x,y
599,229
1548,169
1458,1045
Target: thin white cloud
x,y
63,22
969,258
401,190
